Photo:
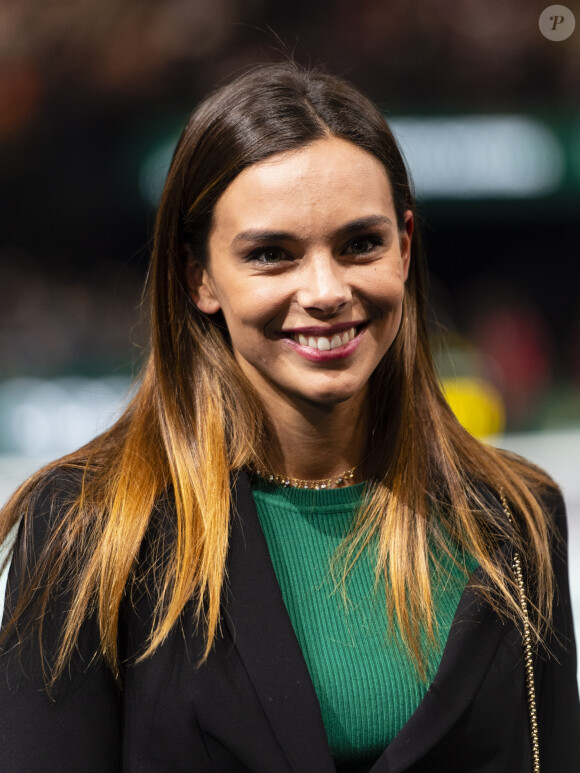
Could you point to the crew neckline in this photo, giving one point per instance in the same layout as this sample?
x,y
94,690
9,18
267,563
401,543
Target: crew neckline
x,y
301,497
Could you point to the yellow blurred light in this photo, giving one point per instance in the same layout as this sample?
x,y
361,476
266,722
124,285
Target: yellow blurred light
x,y
477,405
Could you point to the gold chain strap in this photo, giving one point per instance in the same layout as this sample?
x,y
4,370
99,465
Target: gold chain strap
x,y
528,662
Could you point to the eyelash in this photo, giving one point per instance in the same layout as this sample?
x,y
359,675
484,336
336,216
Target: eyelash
x,y
257,256
375,240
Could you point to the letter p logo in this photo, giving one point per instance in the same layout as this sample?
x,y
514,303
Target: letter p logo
x,y
556,22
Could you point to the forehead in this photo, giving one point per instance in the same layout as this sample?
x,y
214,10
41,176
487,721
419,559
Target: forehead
x,y
330,178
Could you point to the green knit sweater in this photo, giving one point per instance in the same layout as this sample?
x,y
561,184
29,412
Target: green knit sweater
x,y
365,680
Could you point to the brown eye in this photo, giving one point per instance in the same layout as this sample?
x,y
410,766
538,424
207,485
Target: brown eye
x,y
363,245
268,256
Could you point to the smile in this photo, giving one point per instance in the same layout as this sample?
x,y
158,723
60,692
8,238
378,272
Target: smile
x,y
325,343
337,345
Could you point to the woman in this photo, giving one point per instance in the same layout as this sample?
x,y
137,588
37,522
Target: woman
x,y
287,555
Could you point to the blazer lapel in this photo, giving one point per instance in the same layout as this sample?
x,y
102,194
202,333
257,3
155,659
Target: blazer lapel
x,y
474,638
263,635
259,625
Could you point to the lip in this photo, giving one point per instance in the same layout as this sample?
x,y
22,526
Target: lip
x,y
315,355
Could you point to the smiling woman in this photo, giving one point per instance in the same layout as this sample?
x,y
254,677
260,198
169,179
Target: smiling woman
x,y
287,555
307,264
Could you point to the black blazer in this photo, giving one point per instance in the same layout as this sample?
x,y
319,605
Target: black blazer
x,y
252,707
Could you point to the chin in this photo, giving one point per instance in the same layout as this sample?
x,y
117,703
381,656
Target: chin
x,y
332,394
328,400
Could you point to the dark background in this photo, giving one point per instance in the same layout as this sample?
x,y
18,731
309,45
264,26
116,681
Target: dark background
x,y
90,91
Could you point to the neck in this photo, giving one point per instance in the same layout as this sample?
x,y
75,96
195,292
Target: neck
x,y
313,442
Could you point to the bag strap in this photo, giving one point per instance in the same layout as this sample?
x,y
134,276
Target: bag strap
x,y
527,643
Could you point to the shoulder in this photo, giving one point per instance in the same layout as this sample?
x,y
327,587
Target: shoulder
x,y
543,488
524,466
44,504
524,508
51,538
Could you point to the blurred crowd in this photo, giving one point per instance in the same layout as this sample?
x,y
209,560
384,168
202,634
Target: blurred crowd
x,y
89,90
460,50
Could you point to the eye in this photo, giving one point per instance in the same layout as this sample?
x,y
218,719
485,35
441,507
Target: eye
x,y
268,256
363,244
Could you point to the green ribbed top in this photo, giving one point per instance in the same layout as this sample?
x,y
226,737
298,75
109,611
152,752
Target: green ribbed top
x,y
365,681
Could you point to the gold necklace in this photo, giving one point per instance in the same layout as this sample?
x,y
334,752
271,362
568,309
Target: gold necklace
x,y
290,482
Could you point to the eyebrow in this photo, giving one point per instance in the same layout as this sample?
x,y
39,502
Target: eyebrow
x,y
256,235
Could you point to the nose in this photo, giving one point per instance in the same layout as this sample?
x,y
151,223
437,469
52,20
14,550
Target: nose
x,y
323,286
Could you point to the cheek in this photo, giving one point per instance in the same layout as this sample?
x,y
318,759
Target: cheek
x,y
387,294
254,308
388,302
248,318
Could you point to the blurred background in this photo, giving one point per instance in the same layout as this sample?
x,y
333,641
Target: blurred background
x,y
487,111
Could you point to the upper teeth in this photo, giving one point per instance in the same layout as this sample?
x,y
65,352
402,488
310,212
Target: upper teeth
x,y
324,343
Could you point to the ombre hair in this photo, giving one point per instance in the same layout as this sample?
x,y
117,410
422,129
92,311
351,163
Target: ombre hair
x,y
195,421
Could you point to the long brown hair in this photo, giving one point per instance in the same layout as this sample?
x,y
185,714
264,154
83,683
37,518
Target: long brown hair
x,y
195,420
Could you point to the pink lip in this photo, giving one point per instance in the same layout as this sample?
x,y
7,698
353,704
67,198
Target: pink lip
x,y
322,331
314,355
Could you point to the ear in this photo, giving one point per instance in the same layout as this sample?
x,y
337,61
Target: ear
x,y
199,284
405,238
